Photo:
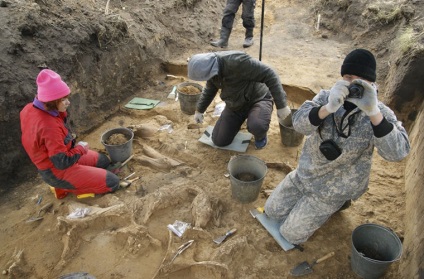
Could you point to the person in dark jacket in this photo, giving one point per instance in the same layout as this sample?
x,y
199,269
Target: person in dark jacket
x,y
343,129
248,17
249,89
47,139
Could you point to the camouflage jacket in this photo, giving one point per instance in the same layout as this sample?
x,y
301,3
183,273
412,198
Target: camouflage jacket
x,y
347,176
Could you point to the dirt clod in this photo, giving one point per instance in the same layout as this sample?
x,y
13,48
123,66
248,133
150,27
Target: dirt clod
x,y
190,90
116,139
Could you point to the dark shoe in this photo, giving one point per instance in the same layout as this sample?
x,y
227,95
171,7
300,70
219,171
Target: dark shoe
x,y
346,205
259,144
220,43
248,42
223,41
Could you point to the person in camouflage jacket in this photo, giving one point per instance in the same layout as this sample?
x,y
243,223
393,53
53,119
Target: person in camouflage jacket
x,y
335,163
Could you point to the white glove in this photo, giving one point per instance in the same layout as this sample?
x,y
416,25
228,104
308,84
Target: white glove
x,y
338,94
369,102
283,113
198,117
84,145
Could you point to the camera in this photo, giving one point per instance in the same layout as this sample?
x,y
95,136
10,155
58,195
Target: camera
x,y
355,91
330,149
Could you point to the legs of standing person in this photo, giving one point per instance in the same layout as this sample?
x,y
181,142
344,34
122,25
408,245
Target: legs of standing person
x,y
248,17
227,127
259,118
230,11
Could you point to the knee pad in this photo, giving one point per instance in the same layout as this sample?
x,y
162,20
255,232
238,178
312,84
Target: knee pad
x,y
293,236
103,161
112,181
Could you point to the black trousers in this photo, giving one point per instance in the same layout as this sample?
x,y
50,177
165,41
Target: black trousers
x,y
247,13
229,123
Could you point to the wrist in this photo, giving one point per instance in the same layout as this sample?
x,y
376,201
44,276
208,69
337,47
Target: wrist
x,y
376,119
374,112
326,110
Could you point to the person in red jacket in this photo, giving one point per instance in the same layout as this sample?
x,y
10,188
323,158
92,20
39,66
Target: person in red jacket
x,y
67,166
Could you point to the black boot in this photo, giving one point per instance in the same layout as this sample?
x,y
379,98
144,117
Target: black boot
x,y
223,41
346,205
248,41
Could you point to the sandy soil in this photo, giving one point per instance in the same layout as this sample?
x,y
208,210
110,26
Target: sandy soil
x,y
125,235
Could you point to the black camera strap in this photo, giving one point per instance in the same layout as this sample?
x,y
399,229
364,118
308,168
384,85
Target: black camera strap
x,y
350,121
340,129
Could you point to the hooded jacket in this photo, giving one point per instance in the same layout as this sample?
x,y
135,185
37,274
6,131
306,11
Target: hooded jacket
x,y
243,81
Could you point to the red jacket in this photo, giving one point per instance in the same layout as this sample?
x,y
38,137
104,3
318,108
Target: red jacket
x,y
47,140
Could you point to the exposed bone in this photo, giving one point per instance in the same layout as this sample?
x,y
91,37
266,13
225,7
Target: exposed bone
x,y
162,164
154,154
17,263
286,168
201,210
144,130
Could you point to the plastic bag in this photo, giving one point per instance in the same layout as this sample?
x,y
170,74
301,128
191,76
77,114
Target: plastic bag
x,y
179,227
218,109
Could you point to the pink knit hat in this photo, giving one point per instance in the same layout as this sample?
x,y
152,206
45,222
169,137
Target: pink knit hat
x,y
51,86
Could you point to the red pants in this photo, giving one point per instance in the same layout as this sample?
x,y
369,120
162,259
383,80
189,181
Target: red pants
x,y
82,178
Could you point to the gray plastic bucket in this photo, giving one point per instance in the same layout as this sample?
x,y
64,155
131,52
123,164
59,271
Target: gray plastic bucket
x,y
289,136
374,248
118,153
246,191
188,102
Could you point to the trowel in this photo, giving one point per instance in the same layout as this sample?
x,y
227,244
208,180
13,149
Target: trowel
x,y
306,268
221,239
39,215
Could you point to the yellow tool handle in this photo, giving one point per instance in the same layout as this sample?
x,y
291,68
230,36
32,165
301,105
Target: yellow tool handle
x,y
88,195
329,255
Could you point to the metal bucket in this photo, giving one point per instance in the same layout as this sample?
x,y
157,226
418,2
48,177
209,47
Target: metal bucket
x,y
374,248
188,101
121,152
289,136
246,190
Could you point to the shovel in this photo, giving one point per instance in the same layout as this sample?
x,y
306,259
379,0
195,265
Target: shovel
x,y
221,239
306,268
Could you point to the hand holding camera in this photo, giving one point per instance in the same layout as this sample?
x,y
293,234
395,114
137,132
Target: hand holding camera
x,y
338,94
367,101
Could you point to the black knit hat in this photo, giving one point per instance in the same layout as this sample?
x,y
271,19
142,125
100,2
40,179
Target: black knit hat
x,y
360,62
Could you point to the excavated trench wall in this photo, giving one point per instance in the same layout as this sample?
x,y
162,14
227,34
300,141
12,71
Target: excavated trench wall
x,y
404,83
412,264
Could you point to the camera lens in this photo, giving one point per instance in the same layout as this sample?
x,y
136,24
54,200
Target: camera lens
x,y
355,91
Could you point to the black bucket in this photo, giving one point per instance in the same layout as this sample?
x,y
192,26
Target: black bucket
x,y
246,190
289,136
118,153
374,248
188,101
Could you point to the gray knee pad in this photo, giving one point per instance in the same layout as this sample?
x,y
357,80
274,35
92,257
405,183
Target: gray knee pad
x,y
103,161
112,181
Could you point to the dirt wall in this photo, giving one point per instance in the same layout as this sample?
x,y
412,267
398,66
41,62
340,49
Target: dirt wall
x,y
412,265
404,85
104,52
